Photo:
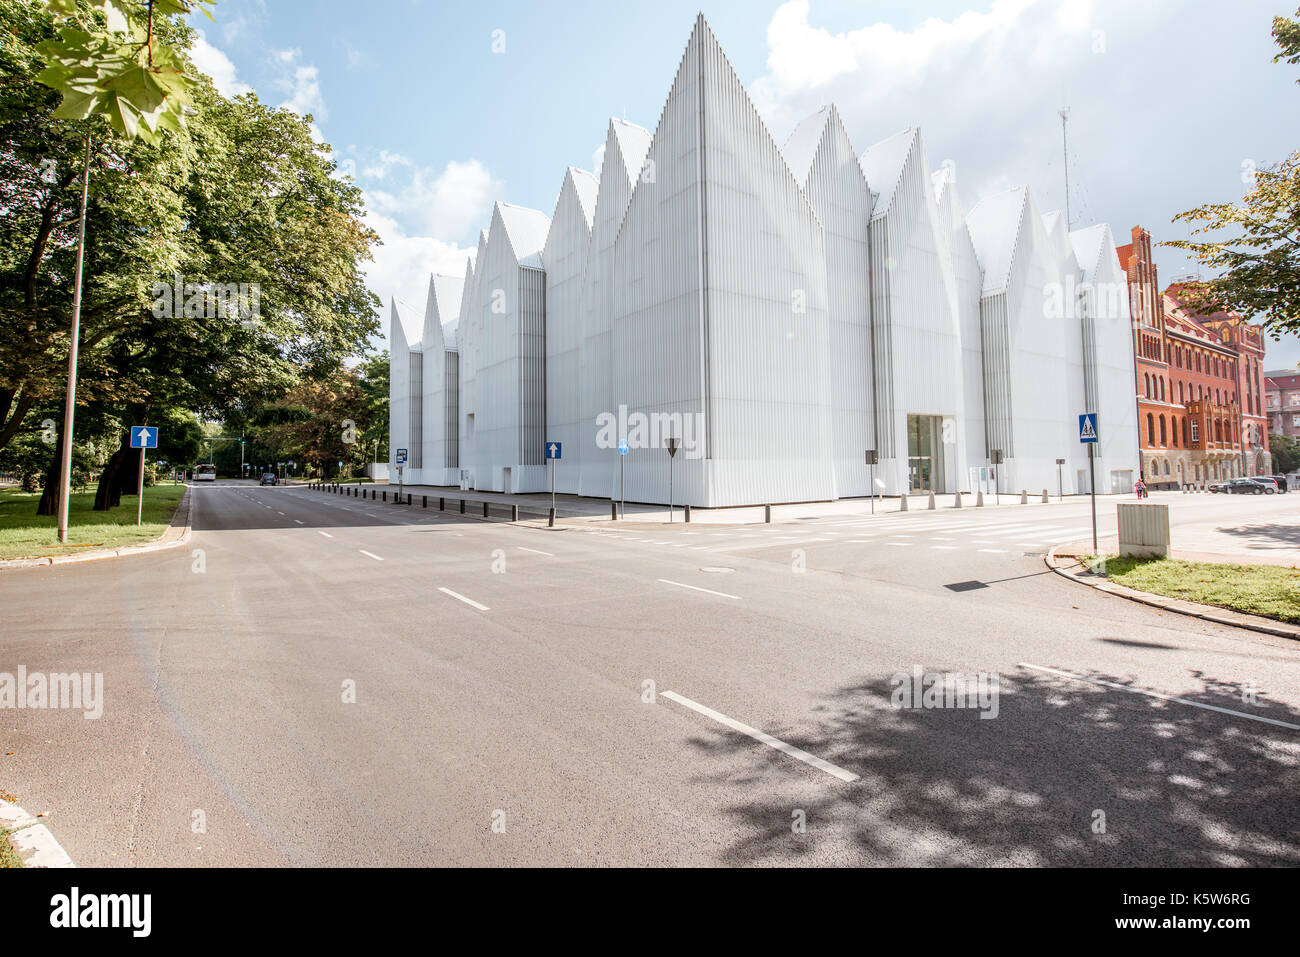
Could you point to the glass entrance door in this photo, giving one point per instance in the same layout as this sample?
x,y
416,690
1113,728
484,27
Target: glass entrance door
x,y
925,464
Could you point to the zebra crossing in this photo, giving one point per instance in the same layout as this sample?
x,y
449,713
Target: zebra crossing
x,y
971,535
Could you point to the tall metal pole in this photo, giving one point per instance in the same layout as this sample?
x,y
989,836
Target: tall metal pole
x,y
1065,155
670,487
139,495
622,485
70,398
1092,488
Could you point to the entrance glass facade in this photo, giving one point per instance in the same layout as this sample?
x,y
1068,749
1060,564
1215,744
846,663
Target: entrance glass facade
x,y
925,466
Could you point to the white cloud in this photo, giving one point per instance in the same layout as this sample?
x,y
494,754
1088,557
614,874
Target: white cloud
x,y
210,60
453,203
300,82
403,264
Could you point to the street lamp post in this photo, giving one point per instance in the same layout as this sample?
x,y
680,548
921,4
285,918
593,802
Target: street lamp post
x,y
70,398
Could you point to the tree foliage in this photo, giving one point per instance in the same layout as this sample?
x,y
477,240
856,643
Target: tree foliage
x,y
239,193
1258,262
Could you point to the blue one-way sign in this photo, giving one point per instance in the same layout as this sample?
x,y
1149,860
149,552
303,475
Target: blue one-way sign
x,y
553,450
144,437
1088,427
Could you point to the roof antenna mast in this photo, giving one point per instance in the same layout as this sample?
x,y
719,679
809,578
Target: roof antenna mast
x,y
1065,155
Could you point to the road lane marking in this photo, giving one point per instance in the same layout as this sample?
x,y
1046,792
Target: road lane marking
x,y
535,551
299,521
278,512
994,551
945,548
459,597
370,554
1162,697
720,594
326,534
832,769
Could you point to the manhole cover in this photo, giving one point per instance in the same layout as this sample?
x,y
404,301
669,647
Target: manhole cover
x,y
965,586
718,569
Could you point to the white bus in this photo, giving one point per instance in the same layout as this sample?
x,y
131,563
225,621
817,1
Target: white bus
x,y
205,473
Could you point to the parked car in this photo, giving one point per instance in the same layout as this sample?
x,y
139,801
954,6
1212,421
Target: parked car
x,y
268,478
1281,483
1250,486
1219,487
1269,483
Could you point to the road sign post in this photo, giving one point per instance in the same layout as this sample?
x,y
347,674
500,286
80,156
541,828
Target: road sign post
x,y
1060,488
143,437
554,450
995,458
1088,436
622,471
873,457
672,443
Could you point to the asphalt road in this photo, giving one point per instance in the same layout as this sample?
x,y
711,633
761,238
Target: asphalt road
x,y
651,695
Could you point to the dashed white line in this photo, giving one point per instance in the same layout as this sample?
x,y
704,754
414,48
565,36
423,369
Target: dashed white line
x,y
370,554
720,594
832,769
300,521
535,551
1162,697
460,597
326,534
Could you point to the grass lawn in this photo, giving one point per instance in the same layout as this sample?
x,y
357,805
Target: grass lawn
x,y
8,856
1268,590
24,534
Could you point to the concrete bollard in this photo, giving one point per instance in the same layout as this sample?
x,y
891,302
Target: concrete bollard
x,y
613,510
930,504
1024,497
550,518
1044,496
514,513
767,514
979,499
902,502
687,511
956,500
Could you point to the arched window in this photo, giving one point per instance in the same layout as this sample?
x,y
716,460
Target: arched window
x,y
1151,430
1164,440
1180,394
1162,389
1173,431
1184,433
1146,385
1166,466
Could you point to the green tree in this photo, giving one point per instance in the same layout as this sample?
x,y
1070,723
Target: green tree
x,y
240,193
1286,453
1258,262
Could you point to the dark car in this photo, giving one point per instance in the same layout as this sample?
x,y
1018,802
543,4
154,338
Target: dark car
x,y
268,478
1250,486
1219,487
1281,482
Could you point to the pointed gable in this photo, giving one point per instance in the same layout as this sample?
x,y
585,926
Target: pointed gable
x,y
995,226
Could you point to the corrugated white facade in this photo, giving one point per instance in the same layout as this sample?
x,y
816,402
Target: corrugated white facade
x,y
779,312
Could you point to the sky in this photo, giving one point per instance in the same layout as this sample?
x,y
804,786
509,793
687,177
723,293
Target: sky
x,y
440,108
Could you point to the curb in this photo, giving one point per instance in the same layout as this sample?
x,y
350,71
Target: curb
x,y
1211,613
32,840
182,514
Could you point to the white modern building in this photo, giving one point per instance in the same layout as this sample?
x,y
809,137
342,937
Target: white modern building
x,y
784,314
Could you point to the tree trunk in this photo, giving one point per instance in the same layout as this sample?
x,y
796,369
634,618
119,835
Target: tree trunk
x,y
49,503
108,494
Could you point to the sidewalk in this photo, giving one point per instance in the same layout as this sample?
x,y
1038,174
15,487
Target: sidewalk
x,y
574,509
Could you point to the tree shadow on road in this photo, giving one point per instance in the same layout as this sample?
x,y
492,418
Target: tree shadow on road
x,y
1178,786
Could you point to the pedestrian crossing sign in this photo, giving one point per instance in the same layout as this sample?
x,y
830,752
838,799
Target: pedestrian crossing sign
x,y
1088,427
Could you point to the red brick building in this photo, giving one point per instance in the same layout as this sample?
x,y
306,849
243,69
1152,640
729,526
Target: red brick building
x,y
1282,402
1199,383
